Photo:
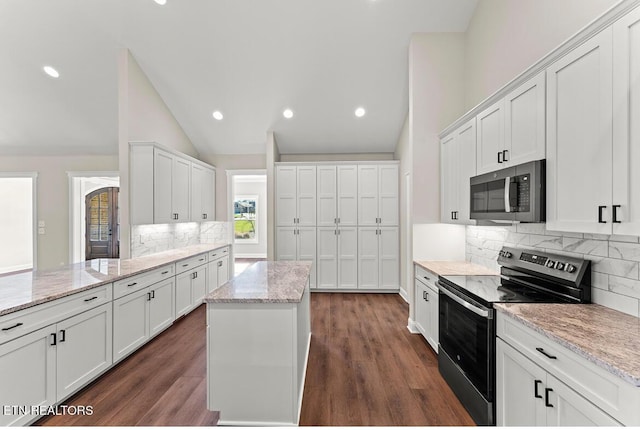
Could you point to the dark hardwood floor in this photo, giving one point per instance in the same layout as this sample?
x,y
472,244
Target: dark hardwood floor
x,y
364,368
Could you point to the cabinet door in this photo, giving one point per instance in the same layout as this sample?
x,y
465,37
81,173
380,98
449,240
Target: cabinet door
x,y
389,240
448,179
327,257
626,123
130,323
490,123
568,408
388,197
347,257
197,192
327,202
162,187
367,195
524,118
198,286
286,243
180,187
212,278
28,374
223,270
286,195
433,318
84,349
368,257
579,141
161,306
307,250
306,197
183,293
347,190
464,168
421,307
209,195
520,389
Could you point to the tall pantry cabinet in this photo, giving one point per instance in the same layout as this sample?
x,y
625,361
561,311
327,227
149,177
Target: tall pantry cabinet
x,y
354,239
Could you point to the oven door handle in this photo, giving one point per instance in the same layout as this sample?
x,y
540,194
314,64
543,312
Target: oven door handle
x,y
485,313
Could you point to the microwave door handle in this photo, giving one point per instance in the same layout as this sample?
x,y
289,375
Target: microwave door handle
x,y
507,194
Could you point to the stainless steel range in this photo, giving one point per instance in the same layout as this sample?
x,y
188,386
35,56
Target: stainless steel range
x,y
467,355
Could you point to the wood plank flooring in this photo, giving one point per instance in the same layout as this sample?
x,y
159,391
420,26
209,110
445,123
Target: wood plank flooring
x,y
364,368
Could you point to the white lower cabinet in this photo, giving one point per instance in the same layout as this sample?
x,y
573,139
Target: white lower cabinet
x,y
527,395
297,244
218,269
379,258
426,306
191,287
28,373
139,316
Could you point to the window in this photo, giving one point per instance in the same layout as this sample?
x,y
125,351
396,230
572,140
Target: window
x,y
245,209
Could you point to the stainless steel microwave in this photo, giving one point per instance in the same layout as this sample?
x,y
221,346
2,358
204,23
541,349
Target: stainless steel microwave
x,y
513,194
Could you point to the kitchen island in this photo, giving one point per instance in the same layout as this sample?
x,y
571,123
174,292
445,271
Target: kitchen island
x,y
258,335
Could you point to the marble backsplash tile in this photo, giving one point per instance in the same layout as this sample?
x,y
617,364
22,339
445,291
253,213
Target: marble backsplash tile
x,y
615,259
150,239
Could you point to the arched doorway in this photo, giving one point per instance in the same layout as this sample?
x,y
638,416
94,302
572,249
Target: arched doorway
x,y
102,234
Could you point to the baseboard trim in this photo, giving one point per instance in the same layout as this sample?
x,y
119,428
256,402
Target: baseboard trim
x,y
411,326
404,295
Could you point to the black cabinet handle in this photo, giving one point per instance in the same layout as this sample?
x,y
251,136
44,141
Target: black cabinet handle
x,y
91,299
546,354
615,214
132,284
165,272
504,155
427,278
499,160
535,389
54,338
546,397
153,294
600,220
63,335
185,265
12,327
219,263
426,294
148,297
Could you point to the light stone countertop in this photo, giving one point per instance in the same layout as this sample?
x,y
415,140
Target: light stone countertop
x,y
606,337
28,289
265,282
459,268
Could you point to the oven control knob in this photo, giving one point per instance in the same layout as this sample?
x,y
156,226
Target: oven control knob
x,y
560,265
506,254
570,268
550,264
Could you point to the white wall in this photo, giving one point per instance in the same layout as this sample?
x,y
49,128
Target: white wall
x,y
254,187
53,198
505,37
16,224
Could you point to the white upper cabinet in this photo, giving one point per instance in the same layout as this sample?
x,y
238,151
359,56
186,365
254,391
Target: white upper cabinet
x,y
327,196
347,195
171,188
524,121
512,131
203,181
378,197
490,124
458,164
296,195
579,138
626,125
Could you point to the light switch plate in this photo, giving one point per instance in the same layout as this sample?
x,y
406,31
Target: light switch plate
x,y
41,223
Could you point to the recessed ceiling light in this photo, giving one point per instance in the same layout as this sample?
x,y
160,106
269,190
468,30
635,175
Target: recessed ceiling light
x,y
51,71
287,113
218,115
161,2
360,112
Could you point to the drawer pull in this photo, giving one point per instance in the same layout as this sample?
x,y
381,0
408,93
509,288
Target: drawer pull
x,y
12,327
132,284
535,389
427,278
202,259
546,354
546,397
185,265
214,255
165,272
91,299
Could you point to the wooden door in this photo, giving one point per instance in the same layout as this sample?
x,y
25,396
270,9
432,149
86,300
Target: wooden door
x,y
102,235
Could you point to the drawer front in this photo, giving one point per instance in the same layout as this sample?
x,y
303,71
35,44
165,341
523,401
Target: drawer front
x,y
426,277
218,253
25,321
138,282
190,263
612,394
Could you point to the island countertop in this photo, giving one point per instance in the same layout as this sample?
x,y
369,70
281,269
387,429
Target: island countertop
x,y
28,289
265,282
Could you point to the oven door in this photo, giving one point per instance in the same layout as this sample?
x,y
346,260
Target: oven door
x,y
467,335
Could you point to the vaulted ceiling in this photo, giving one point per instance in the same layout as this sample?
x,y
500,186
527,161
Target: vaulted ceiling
x,y
249,59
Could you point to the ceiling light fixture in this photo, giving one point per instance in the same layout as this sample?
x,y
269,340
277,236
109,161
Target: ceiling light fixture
x,y
287,113
360,112
51,71
218,115
161,2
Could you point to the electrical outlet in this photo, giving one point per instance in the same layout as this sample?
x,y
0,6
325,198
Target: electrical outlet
x,y
41,230
41,223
